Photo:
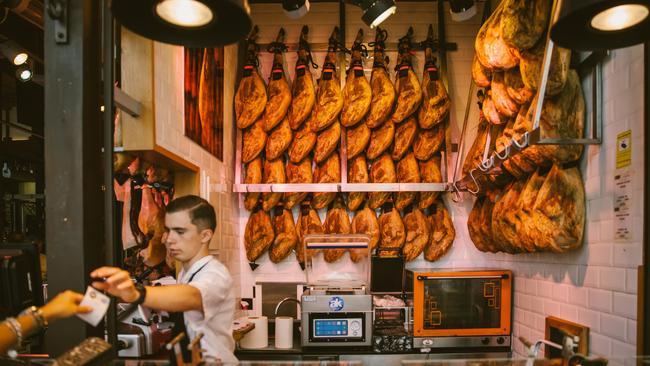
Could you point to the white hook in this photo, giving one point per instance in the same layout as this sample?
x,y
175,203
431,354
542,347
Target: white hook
x,y
505,156
455,193
478,188
487,164
522,145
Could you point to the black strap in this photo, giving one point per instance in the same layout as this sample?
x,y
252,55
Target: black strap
x,y
178,318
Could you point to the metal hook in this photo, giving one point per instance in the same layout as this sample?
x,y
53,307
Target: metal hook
x,y
486,164
522,145
455,193
505,156
478,187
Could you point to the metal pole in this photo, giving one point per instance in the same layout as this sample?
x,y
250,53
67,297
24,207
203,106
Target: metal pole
x,y
74,222
108,33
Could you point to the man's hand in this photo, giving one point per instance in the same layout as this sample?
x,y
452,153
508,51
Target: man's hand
x,y
64,305
118,283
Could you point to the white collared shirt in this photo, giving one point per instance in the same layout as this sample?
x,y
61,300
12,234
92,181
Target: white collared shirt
x,y
215,321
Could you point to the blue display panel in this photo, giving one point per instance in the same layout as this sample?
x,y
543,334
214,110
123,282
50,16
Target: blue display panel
x,y
331,328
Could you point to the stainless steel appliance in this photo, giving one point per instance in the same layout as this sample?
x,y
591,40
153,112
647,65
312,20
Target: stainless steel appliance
x,y
461,308
336,307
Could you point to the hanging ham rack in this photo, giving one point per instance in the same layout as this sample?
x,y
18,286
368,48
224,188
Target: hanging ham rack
x,y
441,45
590,66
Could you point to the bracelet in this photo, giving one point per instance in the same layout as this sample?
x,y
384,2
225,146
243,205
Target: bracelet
x,y
13,324
142,294
37,315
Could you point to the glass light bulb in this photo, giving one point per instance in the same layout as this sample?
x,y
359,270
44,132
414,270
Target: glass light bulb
x,y
184,13
620,17
25,75
383,16
20,58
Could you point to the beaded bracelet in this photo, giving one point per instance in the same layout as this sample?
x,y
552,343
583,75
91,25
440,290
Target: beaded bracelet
x,y
13,324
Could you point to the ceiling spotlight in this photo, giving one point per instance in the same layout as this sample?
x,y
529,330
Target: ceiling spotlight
x,y
191,23
295,9
375,11
462,10
24,73
13,52
602,24
184,13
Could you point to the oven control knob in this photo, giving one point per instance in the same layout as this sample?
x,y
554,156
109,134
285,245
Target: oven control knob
x,y
500,340
355,325
355,333
485,341
427,342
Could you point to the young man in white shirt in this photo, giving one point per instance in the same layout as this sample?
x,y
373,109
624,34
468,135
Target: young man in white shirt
x,y
203,292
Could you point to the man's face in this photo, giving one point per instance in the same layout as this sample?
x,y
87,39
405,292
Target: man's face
x,y
184,239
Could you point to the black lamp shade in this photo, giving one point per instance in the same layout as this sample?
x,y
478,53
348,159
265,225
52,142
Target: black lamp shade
x,y
373,9
230,23
574,30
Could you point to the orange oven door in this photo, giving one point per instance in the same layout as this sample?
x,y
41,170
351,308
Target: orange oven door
x,y
467,303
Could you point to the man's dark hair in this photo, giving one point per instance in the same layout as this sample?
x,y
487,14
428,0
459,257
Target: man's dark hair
x,y
201,211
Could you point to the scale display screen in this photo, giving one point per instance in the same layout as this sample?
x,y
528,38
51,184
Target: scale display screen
x,y
333,328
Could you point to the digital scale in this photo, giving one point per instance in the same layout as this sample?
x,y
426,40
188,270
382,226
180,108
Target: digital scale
x,y
337,306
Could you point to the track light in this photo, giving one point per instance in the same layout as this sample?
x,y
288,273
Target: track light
x,y
602,24
13,52
24,73
192,23
462,10
295,9
375,11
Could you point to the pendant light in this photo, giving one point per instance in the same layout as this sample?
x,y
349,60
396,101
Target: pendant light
x,y
13,52
375,11
601,24
191,23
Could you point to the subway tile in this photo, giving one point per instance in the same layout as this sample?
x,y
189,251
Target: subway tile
x,y
589,318
602,254
625,305
631,331
588,276
578,296
545,289
600,345
623,350
569,312
600,300
561,293
631,281
612,279
628,255
613,326
551,308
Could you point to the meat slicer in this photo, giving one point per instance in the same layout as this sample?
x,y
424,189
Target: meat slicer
x,y
337,305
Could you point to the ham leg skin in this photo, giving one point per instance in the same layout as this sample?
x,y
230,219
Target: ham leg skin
x,y
123,194
152,223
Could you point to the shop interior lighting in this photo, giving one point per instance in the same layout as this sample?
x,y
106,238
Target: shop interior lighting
x,y
24,73
191,23
13,52
375,11
602,24
184,13
295,9
462,10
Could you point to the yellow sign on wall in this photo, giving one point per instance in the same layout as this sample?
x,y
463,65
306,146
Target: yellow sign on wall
x,y
624,149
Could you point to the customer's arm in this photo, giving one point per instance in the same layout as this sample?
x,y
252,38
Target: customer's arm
x,y
63,305
173,298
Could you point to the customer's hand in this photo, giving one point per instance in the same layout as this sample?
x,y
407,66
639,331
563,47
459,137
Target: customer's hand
x,y
64,305
118,283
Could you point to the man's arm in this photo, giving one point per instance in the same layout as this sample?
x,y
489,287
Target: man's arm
x,y
168,298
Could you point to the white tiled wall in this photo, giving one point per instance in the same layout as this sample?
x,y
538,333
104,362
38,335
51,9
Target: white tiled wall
x,y
595,285
216,177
